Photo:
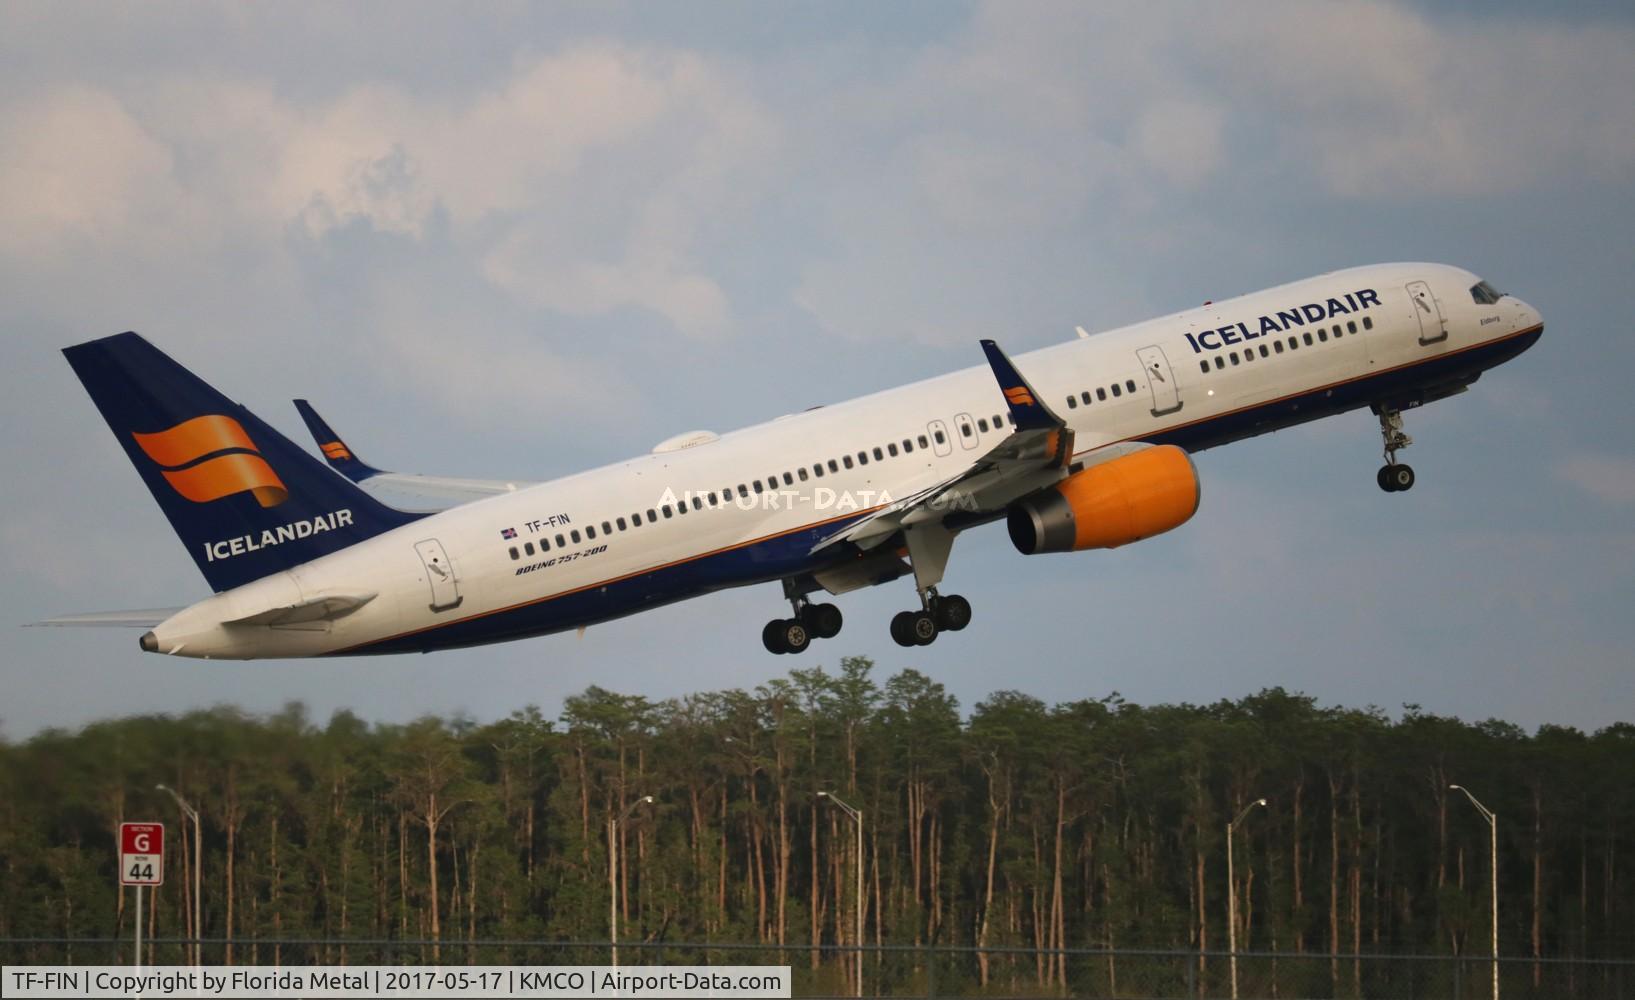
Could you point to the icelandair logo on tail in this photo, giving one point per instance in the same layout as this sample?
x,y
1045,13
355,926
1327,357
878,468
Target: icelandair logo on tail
x,y
211,457
229,547
1018,395
337,451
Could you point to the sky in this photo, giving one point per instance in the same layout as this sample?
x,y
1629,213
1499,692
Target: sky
x,y
517,241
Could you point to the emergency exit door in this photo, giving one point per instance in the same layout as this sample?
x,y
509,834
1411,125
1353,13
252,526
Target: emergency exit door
x,y
1433,326
1166,398
445,588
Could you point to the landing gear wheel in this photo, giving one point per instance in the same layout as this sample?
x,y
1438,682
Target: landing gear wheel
x,y
922,627
952,612
793,636
1396,478
772,637
902,628
823,620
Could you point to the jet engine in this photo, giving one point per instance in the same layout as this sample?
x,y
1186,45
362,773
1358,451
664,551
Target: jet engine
x,y
1124,500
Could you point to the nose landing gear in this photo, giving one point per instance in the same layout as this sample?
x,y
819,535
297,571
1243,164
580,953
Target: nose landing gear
x,y
1394,476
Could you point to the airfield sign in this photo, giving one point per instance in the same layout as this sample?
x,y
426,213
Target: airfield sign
x,y
141,854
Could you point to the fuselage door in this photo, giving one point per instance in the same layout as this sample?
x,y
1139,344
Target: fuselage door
x,y
1433,326
1166,398
939,438
445,589
966,428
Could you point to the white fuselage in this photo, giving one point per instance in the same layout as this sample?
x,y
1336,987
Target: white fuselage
x,y
1201,377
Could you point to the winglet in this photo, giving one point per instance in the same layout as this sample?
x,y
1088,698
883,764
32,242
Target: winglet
x,y
337,453
1027,411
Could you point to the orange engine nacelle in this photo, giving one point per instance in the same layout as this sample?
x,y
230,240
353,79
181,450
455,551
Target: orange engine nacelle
x,y
1115,503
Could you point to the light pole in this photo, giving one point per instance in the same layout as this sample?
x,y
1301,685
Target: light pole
x,y
198,855
857,817
612,873
1493,833
1232,898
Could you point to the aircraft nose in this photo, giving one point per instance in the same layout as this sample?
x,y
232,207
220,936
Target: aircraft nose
x,y
1527,317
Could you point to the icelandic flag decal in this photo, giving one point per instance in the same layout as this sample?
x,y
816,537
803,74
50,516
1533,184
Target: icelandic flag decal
x,y
508,533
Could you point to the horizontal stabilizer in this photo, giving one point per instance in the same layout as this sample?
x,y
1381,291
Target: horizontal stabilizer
x,y
144,618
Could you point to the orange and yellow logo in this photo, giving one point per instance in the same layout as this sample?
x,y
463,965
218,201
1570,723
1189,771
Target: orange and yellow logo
x,y
1018,395
187,455
336,450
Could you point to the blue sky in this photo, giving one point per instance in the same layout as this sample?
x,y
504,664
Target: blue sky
x,y
522,240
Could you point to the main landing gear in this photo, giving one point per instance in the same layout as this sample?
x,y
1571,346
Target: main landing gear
x,y
811,621
1394,476
940,614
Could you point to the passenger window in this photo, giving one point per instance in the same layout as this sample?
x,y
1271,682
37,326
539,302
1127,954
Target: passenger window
x,y
1084,397
514,554
835,468
1350,326
621,523
758,487
879,456
607,529
1101,392
1220,362
981,425
561,542
908,446
636,519
1294,342
1368,322
943,438
743,491
890,448
1072,403
652,515
528,549
1116,391
1203,366
1322,335
544,545
847,459
1129,384
801,472
590,531
965,429
1234,357
788,480
923,442
1263,352
862,458
1307,338
574,534
1277,345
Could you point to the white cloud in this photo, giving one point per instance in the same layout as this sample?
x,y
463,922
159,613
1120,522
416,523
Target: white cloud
x,y
1608,478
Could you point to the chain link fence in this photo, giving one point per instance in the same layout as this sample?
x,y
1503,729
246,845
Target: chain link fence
x,y
927,971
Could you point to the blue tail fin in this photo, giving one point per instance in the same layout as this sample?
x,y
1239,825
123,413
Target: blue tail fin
x,y
244,499
337,453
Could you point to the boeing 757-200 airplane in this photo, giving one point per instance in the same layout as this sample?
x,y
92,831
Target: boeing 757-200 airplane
x,y
1082,445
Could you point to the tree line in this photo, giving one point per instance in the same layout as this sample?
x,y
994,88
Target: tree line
x,y
1020,827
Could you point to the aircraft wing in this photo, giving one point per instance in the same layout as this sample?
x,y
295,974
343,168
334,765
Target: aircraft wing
x,y
405,491
1033,456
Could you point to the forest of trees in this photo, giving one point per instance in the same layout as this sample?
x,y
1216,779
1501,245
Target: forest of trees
x,y
1016,826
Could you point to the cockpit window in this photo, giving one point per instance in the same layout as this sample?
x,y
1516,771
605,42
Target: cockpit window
x,y
1485,294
